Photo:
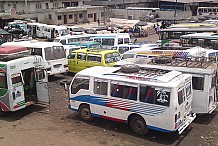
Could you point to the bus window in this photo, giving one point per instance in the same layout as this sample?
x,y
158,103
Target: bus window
x,y
120,40
124,91
53,53
123,49
3,81
94,58
181,96
73,40
72,56
35,51
16,79
188,90
112,57
126,40
162,97
80,83
198,83
81,56
147,94
108,42
100,86
97,40
63,42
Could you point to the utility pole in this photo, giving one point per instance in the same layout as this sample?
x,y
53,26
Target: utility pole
x,y
175,9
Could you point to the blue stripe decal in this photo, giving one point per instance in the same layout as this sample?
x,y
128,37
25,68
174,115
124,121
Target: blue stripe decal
x,y
158,129
122,104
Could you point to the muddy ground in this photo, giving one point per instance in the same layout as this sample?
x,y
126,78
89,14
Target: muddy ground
x,y
57,125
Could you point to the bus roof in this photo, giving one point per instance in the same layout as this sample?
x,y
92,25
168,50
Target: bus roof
x,y
201,36
11,49
147,76
182,25
95,51
35,44
193,29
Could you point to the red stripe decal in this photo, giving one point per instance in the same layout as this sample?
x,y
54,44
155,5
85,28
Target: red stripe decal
x,y
4,107
16,106
112,119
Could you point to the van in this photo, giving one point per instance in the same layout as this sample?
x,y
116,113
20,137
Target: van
x,y
71,38
204,78
87,44
85,58
111,39
144,99
50,32
23,79
53,54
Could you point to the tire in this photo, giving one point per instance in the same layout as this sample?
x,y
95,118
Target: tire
x,y
2,113
130,68
85,113
138,125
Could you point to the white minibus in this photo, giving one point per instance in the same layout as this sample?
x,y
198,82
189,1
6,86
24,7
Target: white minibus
x,y
23,80
111,39
50,32
145,99
204,77
53,54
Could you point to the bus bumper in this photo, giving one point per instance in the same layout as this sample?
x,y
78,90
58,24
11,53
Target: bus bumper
x,y
187,123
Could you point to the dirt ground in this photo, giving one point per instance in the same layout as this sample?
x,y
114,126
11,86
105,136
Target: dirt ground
x,y
57,125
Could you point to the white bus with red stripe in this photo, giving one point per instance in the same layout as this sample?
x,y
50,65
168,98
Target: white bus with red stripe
x,y
53,54
145,99
23,79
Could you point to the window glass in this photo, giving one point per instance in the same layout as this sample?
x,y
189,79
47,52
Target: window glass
x,y
16,80
73,40
100,87
95,46
97,40
126,40
3,81
63,42
84,39
198,83
80,83
72,56
81,56
123,49
40,74
188,90
94,58
147,94
112,57
108,41
53,53
35,51
120,40
124,91
181,96
128,56
213,82
163,97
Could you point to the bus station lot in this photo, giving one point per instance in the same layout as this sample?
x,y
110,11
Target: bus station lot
x,y
58,125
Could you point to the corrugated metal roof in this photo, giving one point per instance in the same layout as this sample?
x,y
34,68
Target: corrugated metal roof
x,y
11,16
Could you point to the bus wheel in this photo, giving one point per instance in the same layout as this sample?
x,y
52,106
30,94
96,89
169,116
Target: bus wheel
x,y
138,125
2,113
85,113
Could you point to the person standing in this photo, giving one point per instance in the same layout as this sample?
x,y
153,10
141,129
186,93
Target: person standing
x,y
98,22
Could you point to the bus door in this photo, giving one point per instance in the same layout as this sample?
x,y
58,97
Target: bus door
x,y
212,94
81,62
71,61
17,92
42,86
183,105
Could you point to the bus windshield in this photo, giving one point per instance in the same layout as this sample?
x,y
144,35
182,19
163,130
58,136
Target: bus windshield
x,y
3,81
53,53
112,57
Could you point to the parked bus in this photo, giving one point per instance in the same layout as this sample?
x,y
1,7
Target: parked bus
x,y
205,40
23,79
64,40
175,52
145,99
204,77
112,39
172,34
53,54
207,11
